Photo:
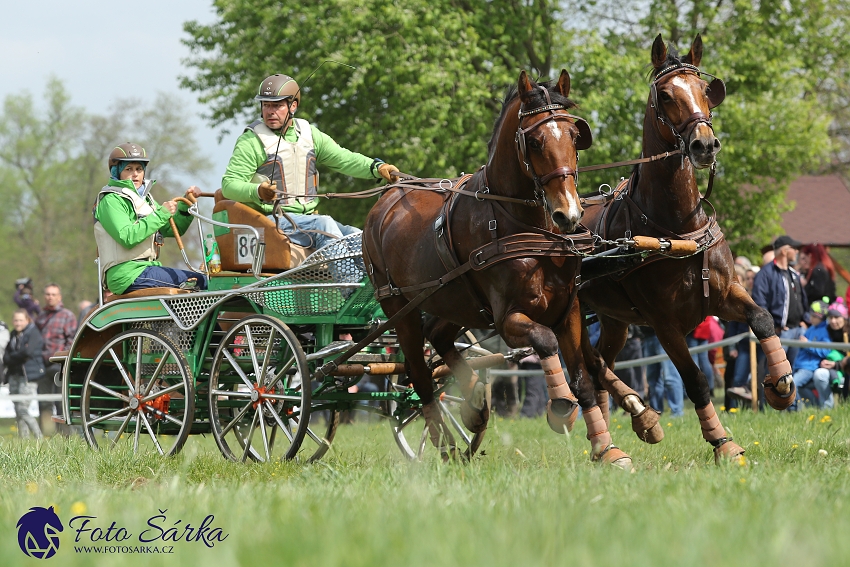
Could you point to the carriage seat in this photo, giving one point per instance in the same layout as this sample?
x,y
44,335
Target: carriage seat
x,y
150,291
281,253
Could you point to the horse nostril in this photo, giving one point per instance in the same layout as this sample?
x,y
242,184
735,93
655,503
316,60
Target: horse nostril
x,y
560,218
697,147
716,145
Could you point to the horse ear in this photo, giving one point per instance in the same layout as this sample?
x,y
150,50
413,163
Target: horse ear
x,y
694,56
564,83
524,85
659,52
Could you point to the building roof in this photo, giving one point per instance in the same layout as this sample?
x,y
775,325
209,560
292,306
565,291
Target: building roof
x,y
820,215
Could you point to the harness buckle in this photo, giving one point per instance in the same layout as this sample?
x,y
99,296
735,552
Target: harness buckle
x,y
477,198
706,274
478,260
492,225
644,219
578,280
628,235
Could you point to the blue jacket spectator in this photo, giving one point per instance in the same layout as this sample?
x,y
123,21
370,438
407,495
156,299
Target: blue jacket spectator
x,y
771,291
809,358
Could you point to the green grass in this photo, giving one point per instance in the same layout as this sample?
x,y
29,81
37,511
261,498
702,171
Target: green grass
x,y
533,499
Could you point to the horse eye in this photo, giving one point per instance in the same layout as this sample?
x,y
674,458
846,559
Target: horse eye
x,y
535,144
665,96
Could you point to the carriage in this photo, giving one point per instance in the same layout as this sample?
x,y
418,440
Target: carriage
x,y
238,361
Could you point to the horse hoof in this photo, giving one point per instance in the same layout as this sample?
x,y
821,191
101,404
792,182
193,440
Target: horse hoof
x,y
729,451
774,398
613,455
561,413
474,411
646,426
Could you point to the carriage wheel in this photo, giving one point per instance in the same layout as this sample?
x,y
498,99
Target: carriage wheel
x,y
259,407
138,388
409,430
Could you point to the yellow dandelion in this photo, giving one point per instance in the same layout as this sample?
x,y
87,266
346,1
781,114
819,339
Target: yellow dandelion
x,y
825,419
619,427
809,441
794,446
664,457
78,508
585,452
669,424
755,442
811,417
13,428
733,410
743,480
614,420
32,487
722,408
741,460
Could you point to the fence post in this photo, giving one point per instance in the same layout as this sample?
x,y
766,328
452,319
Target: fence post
x,y
754,380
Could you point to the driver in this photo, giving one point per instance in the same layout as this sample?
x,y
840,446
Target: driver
x,y
128,225
261,154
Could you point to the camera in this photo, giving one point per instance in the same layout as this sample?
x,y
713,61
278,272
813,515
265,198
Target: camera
x,y
21,283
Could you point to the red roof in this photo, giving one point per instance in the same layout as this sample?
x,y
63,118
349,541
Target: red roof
x,y
820,213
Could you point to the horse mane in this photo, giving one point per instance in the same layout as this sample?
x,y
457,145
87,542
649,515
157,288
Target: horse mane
x,y
536,101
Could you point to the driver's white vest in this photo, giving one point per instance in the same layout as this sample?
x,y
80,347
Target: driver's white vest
x,y
297,160
110,251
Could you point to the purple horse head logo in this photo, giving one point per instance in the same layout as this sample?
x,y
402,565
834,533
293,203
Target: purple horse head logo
x,y
38,532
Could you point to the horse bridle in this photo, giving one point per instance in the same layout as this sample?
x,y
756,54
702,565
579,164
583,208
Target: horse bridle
x,y
584,135
684,132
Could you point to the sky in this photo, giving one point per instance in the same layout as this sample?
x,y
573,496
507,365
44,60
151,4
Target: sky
x,y
85,42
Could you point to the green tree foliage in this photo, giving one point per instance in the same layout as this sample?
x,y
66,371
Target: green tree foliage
x,y
430,73
425,90
52,165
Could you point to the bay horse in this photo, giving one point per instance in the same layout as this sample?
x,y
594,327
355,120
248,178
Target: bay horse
x,y
673,296
515,220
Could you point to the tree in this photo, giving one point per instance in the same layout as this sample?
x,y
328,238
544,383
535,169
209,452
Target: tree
x,y
424,93
52,165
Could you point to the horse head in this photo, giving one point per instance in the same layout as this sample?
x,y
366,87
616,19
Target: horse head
x,y
682,101
547,141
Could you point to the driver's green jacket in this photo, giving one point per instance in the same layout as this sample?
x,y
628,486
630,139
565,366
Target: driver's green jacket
x,y
118,218
249,154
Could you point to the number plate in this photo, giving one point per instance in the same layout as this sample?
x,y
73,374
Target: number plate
x,y
246,244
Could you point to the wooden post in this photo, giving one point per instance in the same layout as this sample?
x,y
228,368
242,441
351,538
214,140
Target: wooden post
x,y
754,379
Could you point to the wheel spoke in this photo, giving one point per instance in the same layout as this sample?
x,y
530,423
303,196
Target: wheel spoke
x,y
116,413
122,370
252,350
121,429
166,416
319,441
266,358
277,419
422,441
136,436
138,364
283,370
232,394
262,425
237,368
409,420
250,436
282,397
460,429
155,375
151,433
162,392
239,415
109,391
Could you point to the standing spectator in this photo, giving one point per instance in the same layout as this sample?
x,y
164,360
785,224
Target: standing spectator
x,y
817,273
24,299
25,368
632,350
58,326
4,340
778,289
663,379
700,337
83,309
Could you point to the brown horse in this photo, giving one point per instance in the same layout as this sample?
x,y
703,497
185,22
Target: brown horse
x,y
673,296
416,239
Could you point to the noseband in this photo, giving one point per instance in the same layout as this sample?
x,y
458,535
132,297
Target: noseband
x,y
685,131
584,130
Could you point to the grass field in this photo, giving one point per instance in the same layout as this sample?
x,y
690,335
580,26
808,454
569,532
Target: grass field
x,y
532,499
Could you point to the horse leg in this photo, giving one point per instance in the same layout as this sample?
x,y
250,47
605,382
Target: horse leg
x,y
600,362
696,386
519,331
412,341
603,450
779,389
474,411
